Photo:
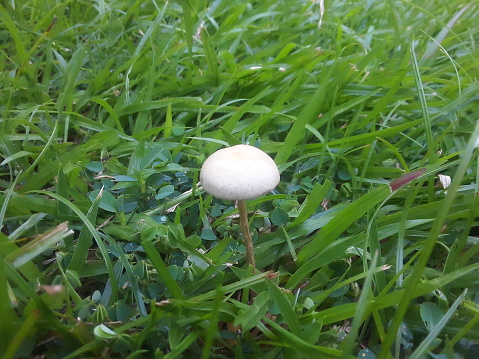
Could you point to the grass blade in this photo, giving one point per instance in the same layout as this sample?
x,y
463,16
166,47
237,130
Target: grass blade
x,y
341,222
423,102
39,245
99,242
162,270
424,346
84,240
428,246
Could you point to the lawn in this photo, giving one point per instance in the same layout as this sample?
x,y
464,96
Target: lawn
x,y
367,247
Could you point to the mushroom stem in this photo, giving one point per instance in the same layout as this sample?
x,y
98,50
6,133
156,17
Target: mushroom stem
x,y
248,242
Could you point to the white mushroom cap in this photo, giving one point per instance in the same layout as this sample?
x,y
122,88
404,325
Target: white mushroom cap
x,y
239,173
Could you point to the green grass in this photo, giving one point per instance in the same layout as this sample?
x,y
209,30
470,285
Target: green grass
x,y
109,247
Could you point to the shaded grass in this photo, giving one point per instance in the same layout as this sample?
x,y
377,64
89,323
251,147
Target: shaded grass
x,y
109,108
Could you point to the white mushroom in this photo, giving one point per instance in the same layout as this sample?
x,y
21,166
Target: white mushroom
x,y
240,173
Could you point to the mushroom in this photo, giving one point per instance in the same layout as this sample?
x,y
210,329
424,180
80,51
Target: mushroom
x,y
240,173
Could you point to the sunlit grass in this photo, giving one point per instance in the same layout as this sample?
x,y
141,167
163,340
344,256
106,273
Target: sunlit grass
x,y
109,246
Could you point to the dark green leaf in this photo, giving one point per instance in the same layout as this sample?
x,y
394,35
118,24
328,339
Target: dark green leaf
x,y
279,216
95,166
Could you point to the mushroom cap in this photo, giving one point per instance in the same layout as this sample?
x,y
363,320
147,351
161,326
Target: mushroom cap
x,y
239,172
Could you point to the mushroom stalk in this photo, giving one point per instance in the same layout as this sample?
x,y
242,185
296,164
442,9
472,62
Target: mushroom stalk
x,y
248,242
